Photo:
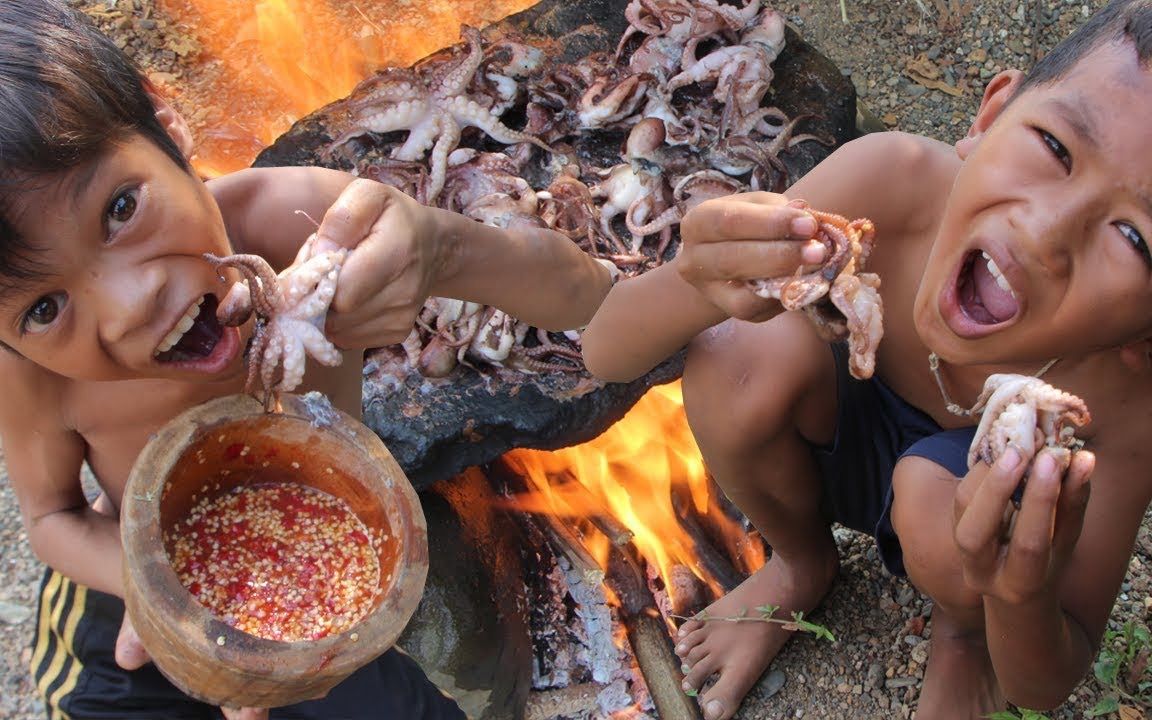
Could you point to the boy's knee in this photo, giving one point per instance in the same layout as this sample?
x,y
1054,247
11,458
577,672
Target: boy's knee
x,y
747,382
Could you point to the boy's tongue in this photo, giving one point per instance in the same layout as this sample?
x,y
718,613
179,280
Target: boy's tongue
x,y
990,302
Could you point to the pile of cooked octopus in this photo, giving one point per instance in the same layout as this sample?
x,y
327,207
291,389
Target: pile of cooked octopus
x,y
685,87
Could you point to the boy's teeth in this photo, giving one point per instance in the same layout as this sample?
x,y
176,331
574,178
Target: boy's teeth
x,y
997,274
177,332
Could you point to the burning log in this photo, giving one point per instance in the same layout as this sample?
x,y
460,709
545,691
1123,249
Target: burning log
x,y
649,637
616,533
637,609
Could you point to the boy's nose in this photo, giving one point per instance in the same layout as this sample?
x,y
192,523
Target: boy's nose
x,y
130,300
1046,237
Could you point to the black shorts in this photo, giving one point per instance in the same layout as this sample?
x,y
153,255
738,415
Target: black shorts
x,y
75,671
875,427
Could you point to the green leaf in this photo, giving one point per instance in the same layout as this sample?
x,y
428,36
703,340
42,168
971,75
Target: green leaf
x,y
1105,706
1106,668
1003,715
691,693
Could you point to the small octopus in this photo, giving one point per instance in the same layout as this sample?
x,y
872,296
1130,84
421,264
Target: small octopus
x,y
841,300
290,310
1025,411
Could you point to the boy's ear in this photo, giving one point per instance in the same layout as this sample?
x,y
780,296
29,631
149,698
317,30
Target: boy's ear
x,y
996,95
173,122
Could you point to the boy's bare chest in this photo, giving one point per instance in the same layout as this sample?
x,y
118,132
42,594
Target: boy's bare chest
x,y
116,419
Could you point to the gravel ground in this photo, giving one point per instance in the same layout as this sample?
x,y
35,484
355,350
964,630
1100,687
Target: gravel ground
x,y
917,66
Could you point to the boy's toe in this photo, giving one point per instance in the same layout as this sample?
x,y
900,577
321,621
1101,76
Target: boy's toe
x,y
725,695
696,654
714,710
688,627
688,642
700,671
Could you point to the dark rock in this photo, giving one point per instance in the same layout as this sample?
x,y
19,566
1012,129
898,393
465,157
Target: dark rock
x,y
470,631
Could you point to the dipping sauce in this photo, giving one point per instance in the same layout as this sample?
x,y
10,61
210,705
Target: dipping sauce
x,y
281,561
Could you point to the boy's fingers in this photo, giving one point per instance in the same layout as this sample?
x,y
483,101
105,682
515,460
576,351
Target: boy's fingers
x,y
365,274
734,220
244,713
978,526
1030,548
352,216
130,653
1073,501
744,260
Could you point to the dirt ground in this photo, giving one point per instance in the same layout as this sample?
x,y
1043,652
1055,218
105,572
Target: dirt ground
x,y
918,66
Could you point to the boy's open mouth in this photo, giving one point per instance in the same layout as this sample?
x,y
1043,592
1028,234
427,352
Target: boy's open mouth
x,y
985,296
195,336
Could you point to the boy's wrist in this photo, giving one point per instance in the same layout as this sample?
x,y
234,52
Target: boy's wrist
x,y
445,236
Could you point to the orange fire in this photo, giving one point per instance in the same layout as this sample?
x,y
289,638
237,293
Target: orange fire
x,y
265,64
633,473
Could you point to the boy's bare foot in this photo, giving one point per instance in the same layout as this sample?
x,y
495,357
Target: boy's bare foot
x,y
739,652
959,682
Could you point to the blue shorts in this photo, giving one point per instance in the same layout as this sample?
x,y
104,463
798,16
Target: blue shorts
x,y
76,673
875,427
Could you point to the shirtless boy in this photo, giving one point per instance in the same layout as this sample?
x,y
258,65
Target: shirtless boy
x,y
1025,242
102,230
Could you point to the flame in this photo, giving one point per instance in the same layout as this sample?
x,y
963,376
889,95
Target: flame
x,y
633,473
263,65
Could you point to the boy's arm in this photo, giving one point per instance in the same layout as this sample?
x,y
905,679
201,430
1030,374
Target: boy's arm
x,y
644,320
44,458
405,251
725,241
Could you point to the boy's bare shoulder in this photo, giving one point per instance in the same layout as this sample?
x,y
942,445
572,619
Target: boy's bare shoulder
x,y
897,179
33,396
20,377
270,211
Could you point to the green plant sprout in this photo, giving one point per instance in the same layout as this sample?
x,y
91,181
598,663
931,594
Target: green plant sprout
x,y
767,613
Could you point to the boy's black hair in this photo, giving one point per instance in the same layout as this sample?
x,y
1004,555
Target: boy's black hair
x,y
67,94
1118,21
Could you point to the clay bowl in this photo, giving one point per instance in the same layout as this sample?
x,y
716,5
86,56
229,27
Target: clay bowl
x,y
309,443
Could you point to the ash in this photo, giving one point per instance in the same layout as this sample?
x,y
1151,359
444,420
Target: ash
x,y
577,637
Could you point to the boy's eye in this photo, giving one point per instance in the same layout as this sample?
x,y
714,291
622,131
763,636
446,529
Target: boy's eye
x,y
122,207
1133,236
43,312
1056,148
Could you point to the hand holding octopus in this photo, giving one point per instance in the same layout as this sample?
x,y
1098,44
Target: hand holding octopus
x,y
1028,413
290,310
840,298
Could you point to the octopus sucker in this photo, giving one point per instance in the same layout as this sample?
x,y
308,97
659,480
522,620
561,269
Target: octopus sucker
x,y
840,299
290,309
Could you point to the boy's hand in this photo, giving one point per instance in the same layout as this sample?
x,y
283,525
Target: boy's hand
x,y
395,255
244,713
131,655
1017,558
730,240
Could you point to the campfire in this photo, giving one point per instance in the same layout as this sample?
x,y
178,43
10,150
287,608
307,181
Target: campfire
x,y
623,535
